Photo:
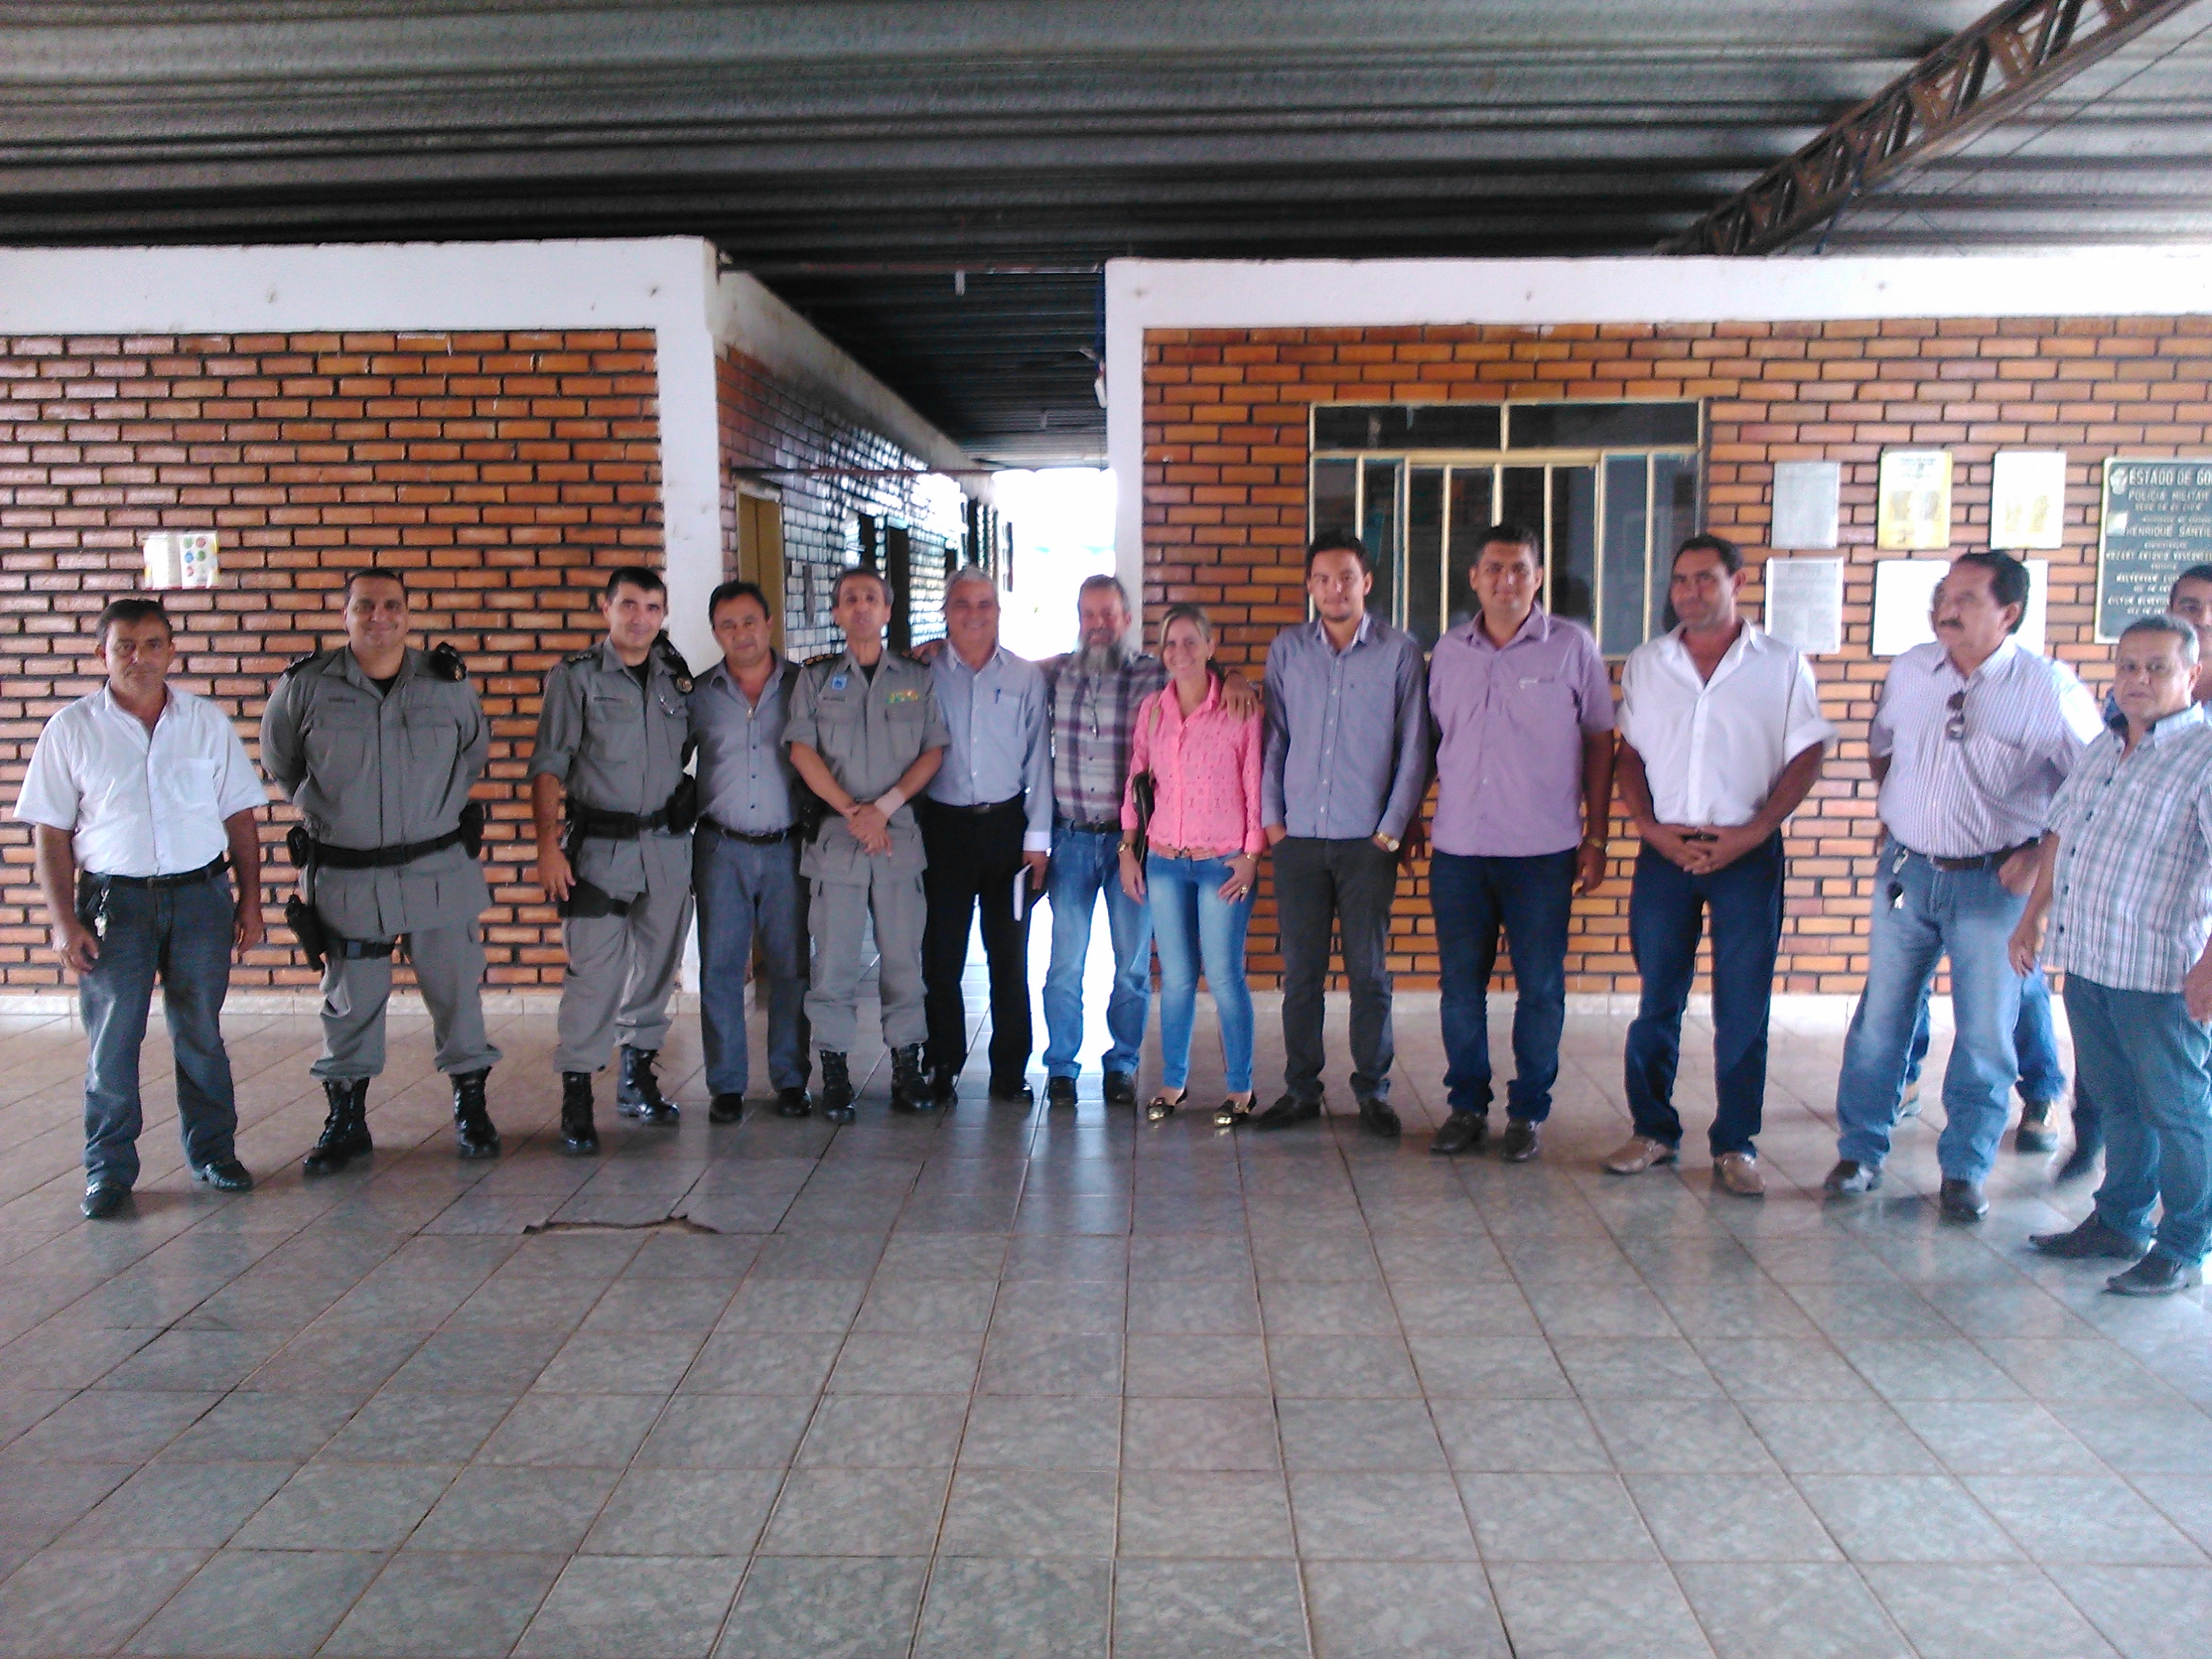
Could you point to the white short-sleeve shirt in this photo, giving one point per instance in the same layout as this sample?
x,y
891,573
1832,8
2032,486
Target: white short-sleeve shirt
x,y
1713,750
139,803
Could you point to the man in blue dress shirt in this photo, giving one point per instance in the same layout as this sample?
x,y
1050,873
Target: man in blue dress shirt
x,y
986,825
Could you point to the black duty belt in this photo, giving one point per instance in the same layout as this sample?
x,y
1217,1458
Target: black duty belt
x,y
770,838
382,858
983,811
182,878
1097,827
595,825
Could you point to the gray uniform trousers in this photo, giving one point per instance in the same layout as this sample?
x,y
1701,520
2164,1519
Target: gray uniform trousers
x,y
449,965
835,914
622,971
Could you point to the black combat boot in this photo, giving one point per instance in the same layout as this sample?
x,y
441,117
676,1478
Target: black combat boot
x,y
472,1125
578,1138
345,1130
836,1088
638,1095
910,1088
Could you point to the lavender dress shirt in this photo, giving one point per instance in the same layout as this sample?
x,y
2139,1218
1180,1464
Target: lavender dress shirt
x,y
1509,727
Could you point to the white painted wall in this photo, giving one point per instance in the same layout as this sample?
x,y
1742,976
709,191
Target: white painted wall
x,y
1147,293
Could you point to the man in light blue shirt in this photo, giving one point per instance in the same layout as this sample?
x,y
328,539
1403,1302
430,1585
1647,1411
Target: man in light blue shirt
x,y
986,829
744,857
1344,765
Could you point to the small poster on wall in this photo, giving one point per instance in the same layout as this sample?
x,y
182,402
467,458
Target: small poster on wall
x,y
1915,500
2156,522
1807,497
1805,602
2027,499
181,558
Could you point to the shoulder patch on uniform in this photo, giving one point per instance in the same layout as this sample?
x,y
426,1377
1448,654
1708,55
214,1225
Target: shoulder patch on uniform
x,y
825,658
447,664
299,663
578,659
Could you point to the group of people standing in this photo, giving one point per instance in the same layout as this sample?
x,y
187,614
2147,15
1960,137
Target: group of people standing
x,y
870,791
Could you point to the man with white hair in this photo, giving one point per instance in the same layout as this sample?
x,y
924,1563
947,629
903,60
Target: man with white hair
x,y
987,831
2126,878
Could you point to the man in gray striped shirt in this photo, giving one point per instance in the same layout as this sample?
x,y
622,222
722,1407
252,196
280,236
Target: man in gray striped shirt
x,y
2126,876
1973,738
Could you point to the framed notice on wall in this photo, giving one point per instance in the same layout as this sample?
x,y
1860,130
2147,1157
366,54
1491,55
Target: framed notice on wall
x,y
2155,523
1915,512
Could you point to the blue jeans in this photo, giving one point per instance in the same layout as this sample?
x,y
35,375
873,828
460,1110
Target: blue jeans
x,y
1967,915
1191,920
1530,898
2034,1044
2147,1061
1667,906
1084,864
742,889
183,934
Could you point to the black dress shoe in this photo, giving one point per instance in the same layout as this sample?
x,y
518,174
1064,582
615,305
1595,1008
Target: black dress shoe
x,y
225,1174
103,1199
793,1102
2079,1163
945,1085
1061,1091
1962,1200
1460,1132
1286,1111
2092,1239
1521,1141
2035,1133
1120,1089
725,1109
1378,1119
1012,1091
2156,1275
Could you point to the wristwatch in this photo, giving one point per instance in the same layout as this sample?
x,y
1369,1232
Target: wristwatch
x,y
1390,843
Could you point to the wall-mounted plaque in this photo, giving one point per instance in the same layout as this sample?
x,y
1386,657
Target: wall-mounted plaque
x,y
1807,496
1914,512
2027,498
2156,522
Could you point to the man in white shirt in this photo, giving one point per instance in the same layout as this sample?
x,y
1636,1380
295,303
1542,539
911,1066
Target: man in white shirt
x,y
142,796
1969,745
1722,737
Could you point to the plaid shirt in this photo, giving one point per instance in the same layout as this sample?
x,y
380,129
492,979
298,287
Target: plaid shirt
x,y
2132,902
1093,719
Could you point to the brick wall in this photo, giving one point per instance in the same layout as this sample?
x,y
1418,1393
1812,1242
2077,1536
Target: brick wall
x,y
1225,463
830,474
503,472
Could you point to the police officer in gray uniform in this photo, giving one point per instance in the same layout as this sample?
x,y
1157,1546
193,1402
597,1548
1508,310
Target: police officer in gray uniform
x,y
613,737
379,745
866,734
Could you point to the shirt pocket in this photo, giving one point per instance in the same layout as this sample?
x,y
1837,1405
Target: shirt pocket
x,y
341,743
1540,705
184,785
433,741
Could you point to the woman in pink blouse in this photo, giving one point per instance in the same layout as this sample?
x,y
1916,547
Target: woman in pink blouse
x,y
1204,846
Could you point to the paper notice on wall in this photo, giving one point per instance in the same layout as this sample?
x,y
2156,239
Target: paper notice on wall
x,y
2027,498
1916,500
1808,504
181,558
1805,602
1905,590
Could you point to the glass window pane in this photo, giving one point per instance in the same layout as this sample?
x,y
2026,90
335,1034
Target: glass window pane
x,y
1522,497
1425,552
1574,543
1378,528
1599,426
1673,521
1335,496
1406,426
1627,545
1471,514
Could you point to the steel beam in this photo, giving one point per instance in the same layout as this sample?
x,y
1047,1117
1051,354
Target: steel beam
x,y
1984,74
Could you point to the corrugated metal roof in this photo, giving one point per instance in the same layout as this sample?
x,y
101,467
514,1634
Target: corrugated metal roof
x,y
858,153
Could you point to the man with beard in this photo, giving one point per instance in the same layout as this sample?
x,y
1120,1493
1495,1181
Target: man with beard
x,y
1093,693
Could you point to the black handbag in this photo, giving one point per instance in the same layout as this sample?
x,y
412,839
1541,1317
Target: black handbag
x,y
1144,794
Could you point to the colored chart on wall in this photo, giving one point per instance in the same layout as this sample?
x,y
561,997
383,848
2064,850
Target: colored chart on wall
x,y
2156,522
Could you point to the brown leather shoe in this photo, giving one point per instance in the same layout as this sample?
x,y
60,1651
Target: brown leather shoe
x,y
1638,1153
1739,1173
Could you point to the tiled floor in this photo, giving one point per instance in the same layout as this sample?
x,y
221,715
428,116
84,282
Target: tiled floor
x,y
1003,1382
